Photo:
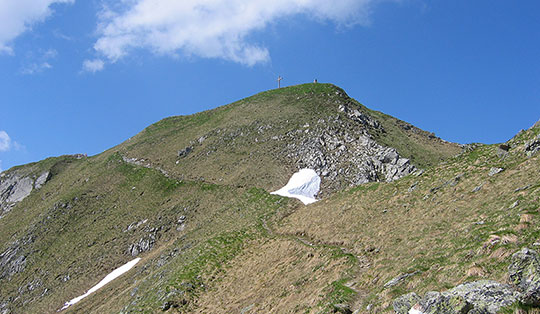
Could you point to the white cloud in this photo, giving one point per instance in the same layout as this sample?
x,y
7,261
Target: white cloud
x,y
210,28
93,65
34,68
39,63
5,141
18,16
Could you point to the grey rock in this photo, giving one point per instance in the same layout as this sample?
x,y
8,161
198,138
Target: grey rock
x,y
342,150
12,260
523,188
184,152
502,151
532,146
399,279
143,245
524,272
342,308
437,303
247,309
4,308
44,177
404,303
15,186
21,190
412,187
494,170
536,125
480,297
486,295
477,188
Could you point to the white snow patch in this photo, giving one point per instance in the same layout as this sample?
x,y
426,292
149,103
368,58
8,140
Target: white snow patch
x,y
303,185
414,310
110,277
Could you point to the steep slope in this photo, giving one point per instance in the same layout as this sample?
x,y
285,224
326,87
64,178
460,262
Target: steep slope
x,y
189,195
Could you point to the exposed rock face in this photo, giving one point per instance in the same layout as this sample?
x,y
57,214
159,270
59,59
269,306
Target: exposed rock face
x,y
16,186
524,272
341,149
483,296
532,146
145,243
13,259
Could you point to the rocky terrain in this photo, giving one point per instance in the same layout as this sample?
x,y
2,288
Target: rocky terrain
x,y
405,222
16,186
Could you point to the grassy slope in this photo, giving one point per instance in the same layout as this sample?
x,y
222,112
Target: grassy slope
x,y
442,228
79,218
78,221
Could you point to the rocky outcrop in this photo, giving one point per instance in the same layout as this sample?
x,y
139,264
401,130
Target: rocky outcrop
x,y
483,296
184,152
15,186
13,259
532,146
404,303
342,151
524,272
145,243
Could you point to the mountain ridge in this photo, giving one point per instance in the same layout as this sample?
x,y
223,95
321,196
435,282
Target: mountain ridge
x,y
189,195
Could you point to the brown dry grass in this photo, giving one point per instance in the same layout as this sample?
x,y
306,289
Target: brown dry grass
x,y
441,233
273,276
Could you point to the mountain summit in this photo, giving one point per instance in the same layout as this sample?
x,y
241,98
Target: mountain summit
x,y
186,204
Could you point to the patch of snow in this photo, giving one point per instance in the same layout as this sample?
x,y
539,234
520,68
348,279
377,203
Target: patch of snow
x,y
303,185
110,277
415,310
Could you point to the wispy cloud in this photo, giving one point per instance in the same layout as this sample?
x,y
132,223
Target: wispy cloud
x,y
40,63
93,66
210,28
5,141
58,34
36,68
18,16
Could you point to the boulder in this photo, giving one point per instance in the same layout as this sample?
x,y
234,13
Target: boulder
x,y
532,146
483,296
486,296
184,152
440,303
494,170
524,272
404,303
399,279
44,177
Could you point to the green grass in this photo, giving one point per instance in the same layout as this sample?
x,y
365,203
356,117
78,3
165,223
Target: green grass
x,y
337,293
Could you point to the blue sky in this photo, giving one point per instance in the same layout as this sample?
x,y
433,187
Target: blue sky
x,y
82,76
